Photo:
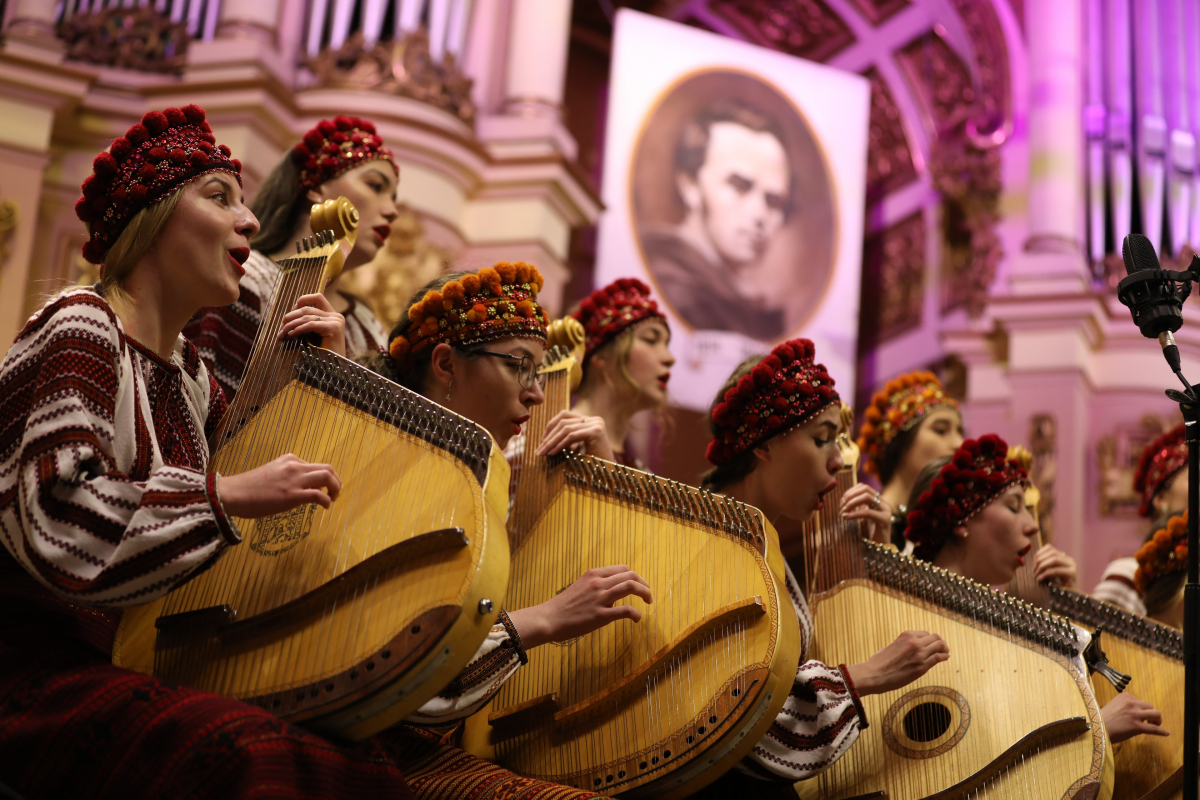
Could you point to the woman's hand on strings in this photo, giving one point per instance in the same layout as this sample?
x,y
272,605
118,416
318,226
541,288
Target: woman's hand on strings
x,y
584,606
1052,564
571,431
281,485
900,663
864,503
314,314
1125,716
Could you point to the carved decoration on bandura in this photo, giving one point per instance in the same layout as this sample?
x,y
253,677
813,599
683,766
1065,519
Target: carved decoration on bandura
x,y
968,180
893,280
940,80
406,262
889,158
805,28
877,11
404,67
130,38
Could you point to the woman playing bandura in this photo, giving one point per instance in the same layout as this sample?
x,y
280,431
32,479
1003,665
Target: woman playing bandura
x,y
969,517
342,157
473,342
775,425
105,500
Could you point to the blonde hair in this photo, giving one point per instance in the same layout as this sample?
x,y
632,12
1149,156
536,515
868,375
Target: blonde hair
x,y
135,241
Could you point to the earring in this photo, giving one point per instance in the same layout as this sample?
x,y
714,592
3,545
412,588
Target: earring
x,y
448,388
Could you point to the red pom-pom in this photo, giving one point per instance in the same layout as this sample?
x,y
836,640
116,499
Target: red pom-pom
x,y
720,414
120,148
343,123
156,153
205,127
137,134
225,151
314,140
788,386
329,162
780,403
148,172
92,187
137,193
178,156
83,210
198,158
745,387
155,122
326,128
237,165
194,113
762,374
773,362
774,421
338,138
208,137
93,252
104,164
300,153
205,146
175,116
366,125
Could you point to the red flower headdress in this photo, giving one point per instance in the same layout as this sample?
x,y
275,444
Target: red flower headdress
x,y
1165,552
495,303
607,313
783,390
335,146
1160,461
977,474
902,404
154,158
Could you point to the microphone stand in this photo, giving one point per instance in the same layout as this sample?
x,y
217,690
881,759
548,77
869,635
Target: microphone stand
x,y
1189,404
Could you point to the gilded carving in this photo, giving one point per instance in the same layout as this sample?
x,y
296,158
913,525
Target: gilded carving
x,y
893,280
940,80
404,67
1117,456
10,217
889,158
990,123
968,180
1043,470
878,11
131,38
805,28
406,262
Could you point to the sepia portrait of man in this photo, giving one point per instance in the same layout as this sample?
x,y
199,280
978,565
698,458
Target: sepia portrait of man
x,y
727,249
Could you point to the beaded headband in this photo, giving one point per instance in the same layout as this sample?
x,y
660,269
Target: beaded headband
x,y
1166,552
783,390
154,158
495,303
1160,461
901,405
976,474
607,313
335,146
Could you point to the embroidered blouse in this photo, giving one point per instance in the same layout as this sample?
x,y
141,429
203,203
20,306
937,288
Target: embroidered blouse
x,y
819,721
104,498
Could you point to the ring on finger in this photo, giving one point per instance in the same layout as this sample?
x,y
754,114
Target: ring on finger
x,y
876,502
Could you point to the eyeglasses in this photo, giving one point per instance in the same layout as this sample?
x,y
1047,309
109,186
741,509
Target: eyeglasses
x,y
527,372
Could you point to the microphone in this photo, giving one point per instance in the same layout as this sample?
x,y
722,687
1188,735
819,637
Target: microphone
x,y
1154,296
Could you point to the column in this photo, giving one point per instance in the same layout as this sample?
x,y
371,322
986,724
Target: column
x,y
33,21
1056,162
539,33
249,19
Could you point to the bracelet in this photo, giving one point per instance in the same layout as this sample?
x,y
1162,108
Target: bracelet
x,y
858,706
513,637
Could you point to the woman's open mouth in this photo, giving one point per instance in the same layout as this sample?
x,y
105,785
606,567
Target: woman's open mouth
x,y
821,494
517,423
1021,555
382,231
663,380
238,256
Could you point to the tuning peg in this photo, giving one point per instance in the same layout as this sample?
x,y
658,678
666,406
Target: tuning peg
x,y
299,249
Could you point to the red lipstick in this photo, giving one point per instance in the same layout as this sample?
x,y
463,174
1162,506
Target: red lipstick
x,y
382,231
238,256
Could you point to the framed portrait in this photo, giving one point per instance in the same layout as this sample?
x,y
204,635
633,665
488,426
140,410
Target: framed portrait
x,y
734,185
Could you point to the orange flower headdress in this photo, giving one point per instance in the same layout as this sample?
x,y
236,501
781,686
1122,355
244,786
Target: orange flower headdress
x,y
495,303
1165,553
902,404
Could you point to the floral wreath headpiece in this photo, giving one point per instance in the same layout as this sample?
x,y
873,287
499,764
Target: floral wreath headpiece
x,y
1164,553
155,157
783,390
901,405
495,303
1160,461
607,313
335,146
976,474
